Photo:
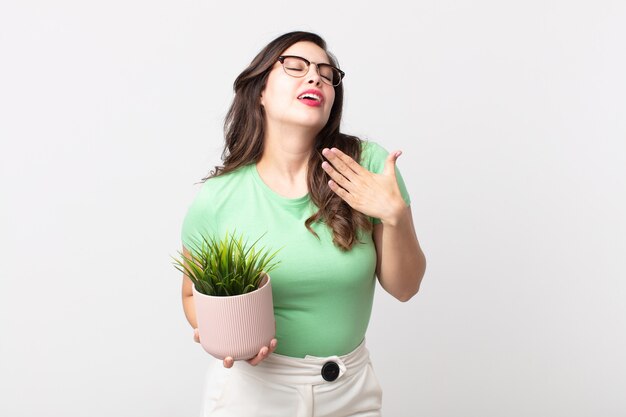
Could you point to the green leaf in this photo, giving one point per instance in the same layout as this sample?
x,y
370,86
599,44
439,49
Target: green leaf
x,y
227,266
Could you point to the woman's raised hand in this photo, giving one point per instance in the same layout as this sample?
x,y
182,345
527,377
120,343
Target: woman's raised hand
x,y
375,195
229,361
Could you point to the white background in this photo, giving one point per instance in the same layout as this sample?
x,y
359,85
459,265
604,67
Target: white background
x,y
512,119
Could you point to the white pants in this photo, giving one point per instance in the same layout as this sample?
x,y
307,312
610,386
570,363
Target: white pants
x,y
294,387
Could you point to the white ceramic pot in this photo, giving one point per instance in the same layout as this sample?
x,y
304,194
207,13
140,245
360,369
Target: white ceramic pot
x,y
237,326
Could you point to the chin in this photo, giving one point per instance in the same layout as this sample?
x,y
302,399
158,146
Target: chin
x,y
313,122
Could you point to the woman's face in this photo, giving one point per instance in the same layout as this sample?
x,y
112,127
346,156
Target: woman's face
x,y
282,95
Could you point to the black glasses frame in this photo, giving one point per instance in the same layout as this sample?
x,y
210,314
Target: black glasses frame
x,y
308,64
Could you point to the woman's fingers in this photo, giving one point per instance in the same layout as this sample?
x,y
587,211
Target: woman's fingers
x,y
375,195
336,175
228,362
347,166
263,353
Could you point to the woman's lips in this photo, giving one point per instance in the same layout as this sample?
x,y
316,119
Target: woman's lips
x,y
311,97
311,102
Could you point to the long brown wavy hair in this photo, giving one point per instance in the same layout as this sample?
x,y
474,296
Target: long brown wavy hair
x,y
244,129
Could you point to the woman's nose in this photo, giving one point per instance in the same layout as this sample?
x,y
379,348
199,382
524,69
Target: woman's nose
x,y
314,74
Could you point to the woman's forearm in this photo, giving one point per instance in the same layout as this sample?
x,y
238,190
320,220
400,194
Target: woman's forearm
x,y
190,310
401,262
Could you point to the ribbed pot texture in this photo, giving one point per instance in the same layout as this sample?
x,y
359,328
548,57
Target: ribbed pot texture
x,y
237,326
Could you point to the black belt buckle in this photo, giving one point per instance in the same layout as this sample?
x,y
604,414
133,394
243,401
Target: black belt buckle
x,y
330,371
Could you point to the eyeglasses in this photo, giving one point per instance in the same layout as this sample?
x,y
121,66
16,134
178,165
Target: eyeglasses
x,y
296,66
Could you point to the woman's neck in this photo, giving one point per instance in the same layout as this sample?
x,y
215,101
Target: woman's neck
x,y
283,165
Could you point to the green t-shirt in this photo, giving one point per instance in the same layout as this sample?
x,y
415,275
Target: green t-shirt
x,y
322,295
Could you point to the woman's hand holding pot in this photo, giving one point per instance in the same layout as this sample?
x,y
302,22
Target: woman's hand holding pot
x,y
229,362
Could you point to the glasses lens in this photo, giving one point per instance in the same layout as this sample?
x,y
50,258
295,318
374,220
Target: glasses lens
x,y
295,66
329,74
298,67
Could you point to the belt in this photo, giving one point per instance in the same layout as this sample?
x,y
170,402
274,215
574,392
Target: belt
x,y
311,370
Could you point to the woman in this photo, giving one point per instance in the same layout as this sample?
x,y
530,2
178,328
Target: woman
x,y
290,175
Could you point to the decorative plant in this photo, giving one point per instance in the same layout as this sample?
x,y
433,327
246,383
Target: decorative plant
x,y
225,267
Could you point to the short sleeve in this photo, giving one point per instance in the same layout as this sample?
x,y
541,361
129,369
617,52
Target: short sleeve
x,y
198,221
373,159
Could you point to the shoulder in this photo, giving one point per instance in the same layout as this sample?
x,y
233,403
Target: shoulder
x,y
373,155
214,195
371,146
216,190
216,185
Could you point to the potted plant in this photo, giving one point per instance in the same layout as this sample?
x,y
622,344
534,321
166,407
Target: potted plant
x,y
232,295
